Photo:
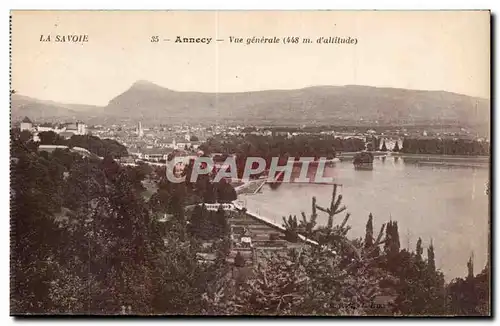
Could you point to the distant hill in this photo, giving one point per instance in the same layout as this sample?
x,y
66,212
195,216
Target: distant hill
x,y
312,105
320,105
42,110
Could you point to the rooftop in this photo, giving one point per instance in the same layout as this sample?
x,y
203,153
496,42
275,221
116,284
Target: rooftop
x,y
155,150
66,134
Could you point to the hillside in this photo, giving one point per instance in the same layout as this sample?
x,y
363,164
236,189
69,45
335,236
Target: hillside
x,y
42,110
334,105
313,105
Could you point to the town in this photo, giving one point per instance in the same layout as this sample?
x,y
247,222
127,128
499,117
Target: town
x,y
155,143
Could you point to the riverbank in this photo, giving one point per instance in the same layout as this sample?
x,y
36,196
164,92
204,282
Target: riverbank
x,y
442,157
420,156
438,159
445,160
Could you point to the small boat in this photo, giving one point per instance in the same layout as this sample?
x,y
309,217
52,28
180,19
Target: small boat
x,y
363,161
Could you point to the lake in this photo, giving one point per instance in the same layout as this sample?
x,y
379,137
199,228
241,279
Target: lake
x,y
445,203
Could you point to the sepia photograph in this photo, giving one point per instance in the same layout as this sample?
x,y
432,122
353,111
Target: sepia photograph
x,y
250,163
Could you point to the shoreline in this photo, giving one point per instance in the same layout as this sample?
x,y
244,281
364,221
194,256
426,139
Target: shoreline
x,y
438,158
441,156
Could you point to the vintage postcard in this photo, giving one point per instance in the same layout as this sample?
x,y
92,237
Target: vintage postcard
x,y
275,163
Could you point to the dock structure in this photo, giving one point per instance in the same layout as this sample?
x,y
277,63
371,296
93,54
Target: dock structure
x,y
265,234
255,186
250,187
251,235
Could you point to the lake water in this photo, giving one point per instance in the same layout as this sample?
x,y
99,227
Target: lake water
x,y
447,204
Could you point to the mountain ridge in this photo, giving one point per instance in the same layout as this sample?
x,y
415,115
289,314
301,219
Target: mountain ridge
x,y
145,83
326,104
305,105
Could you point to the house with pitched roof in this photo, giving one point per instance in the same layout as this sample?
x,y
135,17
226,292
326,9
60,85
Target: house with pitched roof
x,y
26,124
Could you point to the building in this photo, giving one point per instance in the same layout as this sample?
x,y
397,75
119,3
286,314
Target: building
x,y
78,128
81,128
51,148
282,134
180,143
170,143
215,207
183,145
66,130
140,131
47,128
154,154
26,124
184,159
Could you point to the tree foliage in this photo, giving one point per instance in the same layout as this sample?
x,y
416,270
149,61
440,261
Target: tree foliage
x,y
384,147
94,144
445,146
85,240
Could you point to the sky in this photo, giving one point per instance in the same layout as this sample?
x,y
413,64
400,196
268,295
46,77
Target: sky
x,y
433,50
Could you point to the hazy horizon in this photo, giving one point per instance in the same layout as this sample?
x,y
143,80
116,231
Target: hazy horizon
x,y
419,50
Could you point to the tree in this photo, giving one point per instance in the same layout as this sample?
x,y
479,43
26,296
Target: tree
x,y
35,235
470,296
98,146
292,228
176,204
225,192
122,252
419,249
384,147
405,147
335,207
470,268
197,221
182,280
50,138
85,241
332,278
430,258
363,158
194,138
187,173
396,147
369,232
445,146
220,223
239,260
25,136
392,245
105,238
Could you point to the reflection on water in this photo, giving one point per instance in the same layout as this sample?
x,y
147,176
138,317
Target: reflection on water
x,y
447,204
